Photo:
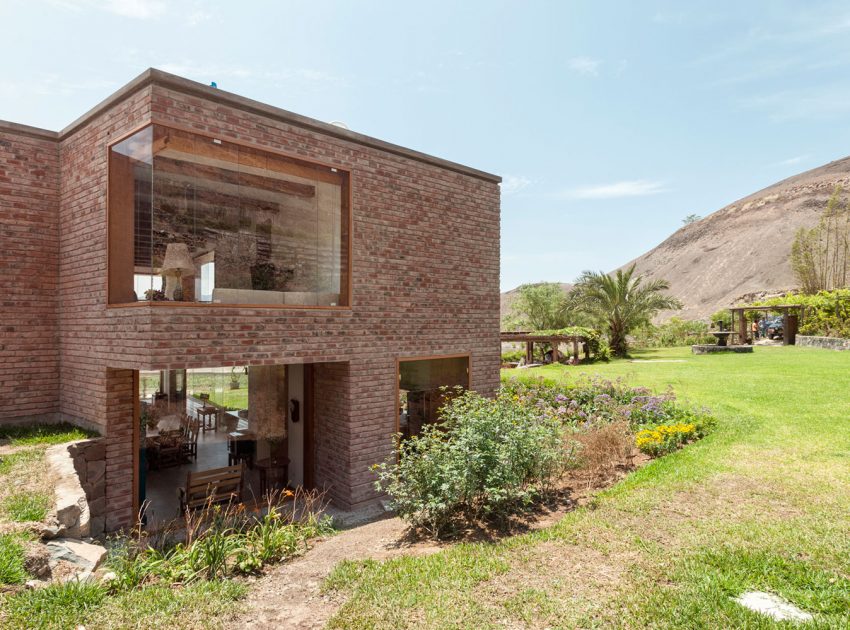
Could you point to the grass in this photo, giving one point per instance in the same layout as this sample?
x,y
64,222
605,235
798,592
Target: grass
x,y
70,605
761,503
12,569
25,507
26,489
43,435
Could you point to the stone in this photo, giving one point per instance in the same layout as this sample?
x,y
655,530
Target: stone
x,y
97,525
108,577
48,530
772,606
95,471
98,507
70,509
37,561
96,490
84,556
96,451
34,584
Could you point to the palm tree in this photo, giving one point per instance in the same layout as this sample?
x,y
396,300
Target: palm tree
x,y
621,302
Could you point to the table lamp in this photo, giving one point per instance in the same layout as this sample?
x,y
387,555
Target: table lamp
x,y
177,263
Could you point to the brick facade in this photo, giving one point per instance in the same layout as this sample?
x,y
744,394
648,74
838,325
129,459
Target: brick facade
x,y
425,282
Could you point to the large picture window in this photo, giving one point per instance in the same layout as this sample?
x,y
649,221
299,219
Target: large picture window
x,y
424,386
199,219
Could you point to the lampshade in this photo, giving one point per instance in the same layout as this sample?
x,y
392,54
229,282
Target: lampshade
x,y
177,258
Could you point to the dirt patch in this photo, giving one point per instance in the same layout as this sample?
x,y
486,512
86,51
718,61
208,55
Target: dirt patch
x,y
289,596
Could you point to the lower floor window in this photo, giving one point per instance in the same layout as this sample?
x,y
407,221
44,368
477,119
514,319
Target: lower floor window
x,y
424,386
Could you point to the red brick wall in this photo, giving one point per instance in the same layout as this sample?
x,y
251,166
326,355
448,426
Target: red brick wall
x,y
425,282
29,277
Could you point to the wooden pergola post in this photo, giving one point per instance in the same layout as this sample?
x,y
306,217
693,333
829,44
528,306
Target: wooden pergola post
x,y
529,352
575,350
554,351
742,326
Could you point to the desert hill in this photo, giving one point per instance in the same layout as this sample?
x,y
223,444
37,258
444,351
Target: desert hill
x,y
742,249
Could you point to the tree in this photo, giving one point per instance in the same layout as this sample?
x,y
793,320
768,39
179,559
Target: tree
x,y
539,307
691,218
820,256
621,302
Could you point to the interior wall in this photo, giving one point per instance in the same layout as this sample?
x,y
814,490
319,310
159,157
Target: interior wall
x,y
296,429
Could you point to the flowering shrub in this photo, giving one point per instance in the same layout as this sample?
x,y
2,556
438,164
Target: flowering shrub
x,y
487,460
591,402
664,438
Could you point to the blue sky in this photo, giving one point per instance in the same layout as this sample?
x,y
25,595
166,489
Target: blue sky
x,y
610,121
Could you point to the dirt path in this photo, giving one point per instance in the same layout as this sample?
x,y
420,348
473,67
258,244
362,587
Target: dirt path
x,y
289,595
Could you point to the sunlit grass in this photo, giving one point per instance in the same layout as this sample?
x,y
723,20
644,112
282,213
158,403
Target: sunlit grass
x,y
762,503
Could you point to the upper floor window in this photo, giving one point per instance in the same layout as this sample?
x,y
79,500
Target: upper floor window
x,y
199,219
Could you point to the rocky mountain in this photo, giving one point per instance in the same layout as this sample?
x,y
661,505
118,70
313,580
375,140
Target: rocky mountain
x,y
741,250
745,247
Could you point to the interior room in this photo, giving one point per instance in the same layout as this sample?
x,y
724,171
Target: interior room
x,y
197,219
197,420
424,386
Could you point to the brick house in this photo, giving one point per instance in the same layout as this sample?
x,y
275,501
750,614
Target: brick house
x,y
304,290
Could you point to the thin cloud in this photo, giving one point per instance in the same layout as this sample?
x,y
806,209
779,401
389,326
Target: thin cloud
x,y
512,184
585,66
618,190
792,161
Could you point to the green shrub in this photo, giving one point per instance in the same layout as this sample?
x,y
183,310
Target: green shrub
x,y
674,332
55,606
488,459
23,507
12,560
512,356
826,314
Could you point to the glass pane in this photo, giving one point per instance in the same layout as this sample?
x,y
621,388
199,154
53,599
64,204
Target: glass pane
x,y
130,181
424,387
222,223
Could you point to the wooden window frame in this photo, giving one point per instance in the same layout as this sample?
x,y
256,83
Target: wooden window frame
x,y
346,197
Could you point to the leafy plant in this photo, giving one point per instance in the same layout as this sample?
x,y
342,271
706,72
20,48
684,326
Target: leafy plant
x,y
826,313
539,306
674,332
220,541
488,460
621,302
820,256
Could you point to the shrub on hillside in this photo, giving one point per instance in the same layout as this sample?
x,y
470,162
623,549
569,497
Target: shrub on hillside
x,y
487,460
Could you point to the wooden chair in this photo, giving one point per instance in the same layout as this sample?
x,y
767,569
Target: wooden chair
x,y
208,487
169,450
189,445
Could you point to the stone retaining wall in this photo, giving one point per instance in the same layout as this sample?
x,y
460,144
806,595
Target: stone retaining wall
x,y
827,343
90,463
79,506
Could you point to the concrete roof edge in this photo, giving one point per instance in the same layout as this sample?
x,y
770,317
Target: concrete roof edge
x,y
152,76
7,126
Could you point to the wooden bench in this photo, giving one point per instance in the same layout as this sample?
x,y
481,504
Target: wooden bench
x,y
208,487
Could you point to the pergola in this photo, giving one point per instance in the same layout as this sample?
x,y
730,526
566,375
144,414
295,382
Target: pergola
x,y
791,315
530,338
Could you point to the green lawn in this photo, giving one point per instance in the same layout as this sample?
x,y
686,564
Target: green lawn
x,y
762,503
